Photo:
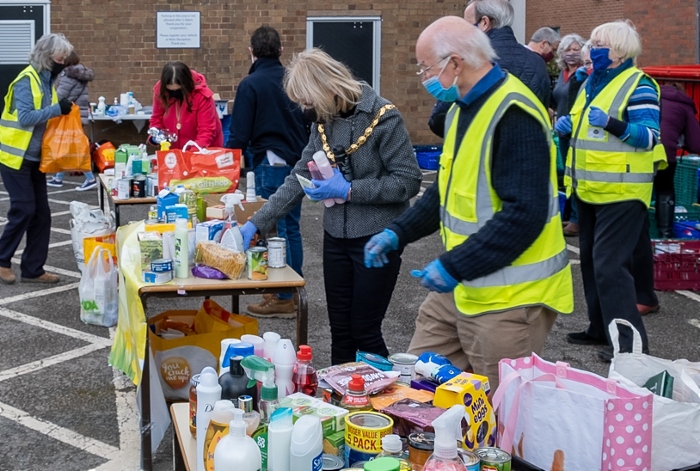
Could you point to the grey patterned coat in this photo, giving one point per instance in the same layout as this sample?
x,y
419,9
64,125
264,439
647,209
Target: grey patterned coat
x,y
73,85
386,173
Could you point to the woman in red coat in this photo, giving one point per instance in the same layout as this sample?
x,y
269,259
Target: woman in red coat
x,y
185,107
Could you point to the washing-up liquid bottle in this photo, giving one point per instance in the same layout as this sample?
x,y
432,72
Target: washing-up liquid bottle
x,y
182,249
306,448
392,446
326,170
208,392
305,378
235,382
279,436
237,451
355,398
231,237
448,431
259,369
221,417
285,360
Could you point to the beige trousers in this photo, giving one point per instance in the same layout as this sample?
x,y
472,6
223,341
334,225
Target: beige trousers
x,y
479,342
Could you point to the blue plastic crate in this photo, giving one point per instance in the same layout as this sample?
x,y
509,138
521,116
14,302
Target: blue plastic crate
x,y
428,156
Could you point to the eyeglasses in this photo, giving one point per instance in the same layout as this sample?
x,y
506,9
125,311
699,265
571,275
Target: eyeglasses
x,y
423,70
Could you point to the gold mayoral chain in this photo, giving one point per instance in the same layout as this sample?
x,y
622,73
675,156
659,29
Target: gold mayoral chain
x,y
360,140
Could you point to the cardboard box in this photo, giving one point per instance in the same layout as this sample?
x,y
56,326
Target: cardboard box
x,y
332,417
216,209
151,245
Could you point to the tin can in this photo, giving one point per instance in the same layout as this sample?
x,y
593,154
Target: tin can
x,y
332,463
405,364
276,252
139,186
420,447
257,263
193,404
152,184
153,212
363,435
161,265
123,188
470,459
493,459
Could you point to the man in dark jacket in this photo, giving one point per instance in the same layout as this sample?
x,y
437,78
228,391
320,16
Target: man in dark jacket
x,y
267,124
495,17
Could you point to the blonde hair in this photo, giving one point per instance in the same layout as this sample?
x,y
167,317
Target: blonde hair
x,y
46,48
621,36
314,77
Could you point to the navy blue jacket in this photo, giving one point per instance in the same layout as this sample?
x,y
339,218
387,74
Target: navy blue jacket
x,y
264,118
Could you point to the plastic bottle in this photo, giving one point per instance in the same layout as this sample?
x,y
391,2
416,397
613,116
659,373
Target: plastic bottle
x,y
116,101
208,392
271,339
257,342
279,436
101,105
181,249
315,172
326,170
250,417
235,383
231,237
392,447
222,357
285,360
448,430
305,379
221,417
356,398
262,370
306,448
189,198
250,195
237,451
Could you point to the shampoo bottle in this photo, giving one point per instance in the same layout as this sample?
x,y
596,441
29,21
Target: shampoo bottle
x,y
208,392
182,249
306,449
285,360
235,383
231,237
237,451
279,436
448,430
221,417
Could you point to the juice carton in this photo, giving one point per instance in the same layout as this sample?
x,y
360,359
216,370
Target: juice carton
x,y
209,230
472,391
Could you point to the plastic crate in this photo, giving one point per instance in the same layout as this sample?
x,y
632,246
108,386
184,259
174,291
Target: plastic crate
x,y
692,214
676,264
428,156
685,181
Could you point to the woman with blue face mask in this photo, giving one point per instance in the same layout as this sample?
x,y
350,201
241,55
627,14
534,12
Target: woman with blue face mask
x,y
614,153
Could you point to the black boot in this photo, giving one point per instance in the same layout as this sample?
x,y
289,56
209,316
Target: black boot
x,y
665,209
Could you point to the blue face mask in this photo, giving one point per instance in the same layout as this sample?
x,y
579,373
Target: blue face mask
x,y
435,88
600,59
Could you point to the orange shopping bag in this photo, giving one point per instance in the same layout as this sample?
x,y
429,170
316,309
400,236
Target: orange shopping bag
x,y
65,146
211,170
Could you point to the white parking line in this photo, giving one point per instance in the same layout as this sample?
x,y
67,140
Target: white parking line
x,y
51,246
689,294
694,322
36,294
573,248
50,361
3,220
59,271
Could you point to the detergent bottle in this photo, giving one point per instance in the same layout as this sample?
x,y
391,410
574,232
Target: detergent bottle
x,y
232,237
448,431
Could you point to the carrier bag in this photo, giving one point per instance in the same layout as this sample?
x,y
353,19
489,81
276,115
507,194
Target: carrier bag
x,y
212,170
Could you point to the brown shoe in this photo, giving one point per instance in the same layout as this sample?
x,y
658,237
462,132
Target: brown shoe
x,y
644,309
571,230
271,306
7,276
45,278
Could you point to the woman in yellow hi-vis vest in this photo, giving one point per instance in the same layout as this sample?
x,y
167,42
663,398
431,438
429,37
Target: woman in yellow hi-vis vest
x,y
615,150
30,102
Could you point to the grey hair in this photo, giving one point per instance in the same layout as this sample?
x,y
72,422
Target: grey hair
x,y
475,49
46,48
565,44
500,12
545,34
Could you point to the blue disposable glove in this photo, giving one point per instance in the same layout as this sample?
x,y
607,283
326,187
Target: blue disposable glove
x,y
597,117
335,187
435,277
563,125
378,246
248,231
581,74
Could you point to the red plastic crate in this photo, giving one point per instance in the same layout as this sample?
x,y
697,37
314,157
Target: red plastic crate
x,y
688,75
674,271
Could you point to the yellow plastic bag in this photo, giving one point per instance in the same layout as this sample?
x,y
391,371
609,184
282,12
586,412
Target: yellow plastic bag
x,y
65,146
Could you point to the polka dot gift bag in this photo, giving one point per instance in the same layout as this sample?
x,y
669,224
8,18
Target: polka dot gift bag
x,y
564,419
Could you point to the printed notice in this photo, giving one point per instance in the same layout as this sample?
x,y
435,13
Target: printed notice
x,y
178,29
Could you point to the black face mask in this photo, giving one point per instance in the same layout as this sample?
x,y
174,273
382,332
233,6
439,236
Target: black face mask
x,y
310,114
56,68
177,94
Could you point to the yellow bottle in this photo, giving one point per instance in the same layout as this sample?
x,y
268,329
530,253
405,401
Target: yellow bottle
x,y
392,447
221,417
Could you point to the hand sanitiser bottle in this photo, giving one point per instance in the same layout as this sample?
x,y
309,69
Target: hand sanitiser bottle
x,y
448,430
237,451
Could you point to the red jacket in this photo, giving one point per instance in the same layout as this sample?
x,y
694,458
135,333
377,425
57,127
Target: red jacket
x,y
201,125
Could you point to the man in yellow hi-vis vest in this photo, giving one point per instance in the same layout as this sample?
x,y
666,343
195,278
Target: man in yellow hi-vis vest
x,y
615,150
30,102
496,290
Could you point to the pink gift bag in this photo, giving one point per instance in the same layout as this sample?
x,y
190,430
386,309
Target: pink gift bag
x,y
560,418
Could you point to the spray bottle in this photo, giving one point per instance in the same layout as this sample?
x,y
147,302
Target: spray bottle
x,y
237,451
232,237
259,369
448,431
285,361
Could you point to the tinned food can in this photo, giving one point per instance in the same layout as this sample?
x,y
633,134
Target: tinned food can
x,y
276,252
139,186
405,364
332,463
471,460
153,212
493,459
257,263
420,447
363,435
193,404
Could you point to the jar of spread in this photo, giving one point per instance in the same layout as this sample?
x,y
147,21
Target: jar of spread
x,y
193,404
420,447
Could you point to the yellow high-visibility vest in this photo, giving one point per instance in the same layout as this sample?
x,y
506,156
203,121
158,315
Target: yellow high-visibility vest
x,y
539,276
600,168
14,138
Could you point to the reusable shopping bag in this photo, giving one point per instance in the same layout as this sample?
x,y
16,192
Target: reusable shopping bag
x,y
98,290
560,418
676,421
212,170
178,358
65,147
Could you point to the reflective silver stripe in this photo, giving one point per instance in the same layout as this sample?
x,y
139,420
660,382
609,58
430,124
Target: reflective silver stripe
x,y
514,275
567,171
449,117
456,225
613,145
13,124
12,150
620,99
611,177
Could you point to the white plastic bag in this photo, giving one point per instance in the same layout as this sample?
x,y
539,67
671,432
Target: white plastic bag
x,y
99,304
87,223
676,421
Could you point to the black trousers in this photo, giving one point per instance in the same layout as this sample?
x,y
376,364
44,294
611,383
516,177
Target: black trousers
x,y
663,180
357,297
609,235
29,213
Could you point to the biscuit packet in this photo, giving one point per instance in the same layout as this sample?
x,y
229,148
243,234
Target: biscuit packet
x,y
338,376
